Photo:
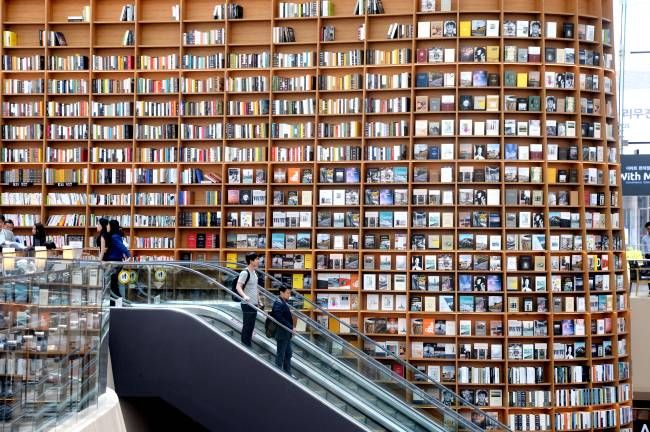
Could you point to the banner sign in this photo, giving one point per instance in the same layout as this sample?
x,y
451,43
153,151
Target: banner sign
x,y
635,174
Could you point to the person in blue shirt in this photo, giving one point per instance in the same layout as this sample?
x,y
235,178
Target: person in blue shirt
x,y
117,251
282,314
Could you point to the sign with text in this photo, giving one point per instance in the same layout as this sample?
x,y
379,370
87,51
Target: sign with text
x,y
635,174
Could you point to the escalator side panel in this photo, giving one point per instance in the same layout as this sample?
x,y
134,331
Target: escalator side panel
x,y
170,354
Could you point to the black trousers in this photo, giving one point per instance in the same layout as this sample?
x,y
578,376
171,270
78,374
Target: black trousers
x,y
249,315
283,354
115,284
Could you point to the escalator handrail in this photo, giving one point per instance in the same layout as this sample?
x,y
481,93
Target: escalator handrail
x,y
313,349
313,374
426,396
448,410
407,365
405,406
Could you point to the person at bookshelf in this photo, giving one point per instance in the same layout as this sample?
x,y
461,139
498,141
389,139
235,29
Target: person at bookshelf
x,y
282,314
117,252
39,237
38,234
7,233
7,236
249,293
103,239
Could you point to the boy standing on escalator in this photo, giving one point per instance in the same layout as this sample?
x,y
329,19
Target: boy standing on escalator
x,y
282,314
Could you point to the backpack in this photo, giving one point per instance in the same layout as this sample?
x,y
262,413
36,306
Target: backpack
x,y
233,286
270,327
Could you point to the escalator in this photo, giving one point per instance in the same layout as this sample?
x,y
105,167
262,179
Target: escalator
x,y
371,347
177,357
347,380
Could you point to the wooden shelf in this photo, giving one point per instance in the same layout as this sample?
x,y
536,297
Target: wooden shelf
x,y
158,34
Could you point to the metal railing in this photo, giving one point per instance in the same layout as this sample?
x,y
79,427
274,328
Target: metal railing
x,y
445,401
53,344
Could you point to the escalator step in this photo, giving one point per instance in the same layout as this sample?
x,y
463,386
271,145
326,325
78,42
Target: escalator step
x,y
334,400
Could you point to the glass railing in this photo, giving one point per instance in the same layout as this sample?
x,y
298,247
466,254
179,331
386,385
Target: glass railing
x,y
377,409
438,390
53,344
151,283
315,371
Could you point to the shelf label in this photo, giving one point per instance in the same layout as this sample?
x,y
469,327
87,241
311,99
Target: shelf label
x,y
66,184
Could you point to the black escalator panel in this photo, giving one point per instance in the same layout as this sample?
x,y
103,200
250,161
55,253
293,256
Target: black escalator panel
x,y
178,358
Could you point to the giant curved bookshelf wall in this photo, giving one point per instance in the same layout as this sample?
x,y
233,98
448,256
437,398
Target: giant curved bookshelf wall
x,y
449,183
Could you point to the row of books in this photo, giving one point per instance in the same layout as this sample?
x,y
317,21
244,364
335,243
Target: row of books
x,y
210,198
108,155
66,220
246,219
200,240
477,78
585,420
465,261
490,28
210,37
154,242
26,155
423,104
305,10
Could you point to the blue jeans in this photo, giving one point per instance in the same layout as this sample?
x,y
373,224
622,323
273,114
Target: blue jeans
x,y
283,355
249,315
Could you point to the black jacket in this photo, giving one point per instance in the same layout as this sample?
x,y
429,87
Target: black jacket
x,y
282,314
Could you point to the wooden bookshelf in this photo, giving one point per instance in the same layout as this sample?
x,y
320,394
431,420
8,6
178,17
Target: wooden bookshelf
x,y
466,173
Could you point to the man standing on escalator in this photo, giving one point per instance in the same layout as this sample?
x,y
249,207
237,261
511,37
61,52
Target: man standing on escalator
x,y
247,290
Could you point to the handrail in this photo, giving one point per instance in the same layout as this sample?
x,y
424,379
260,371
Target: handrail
x,y
360,354
324,331
426,396
460,419
365,338
323,380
